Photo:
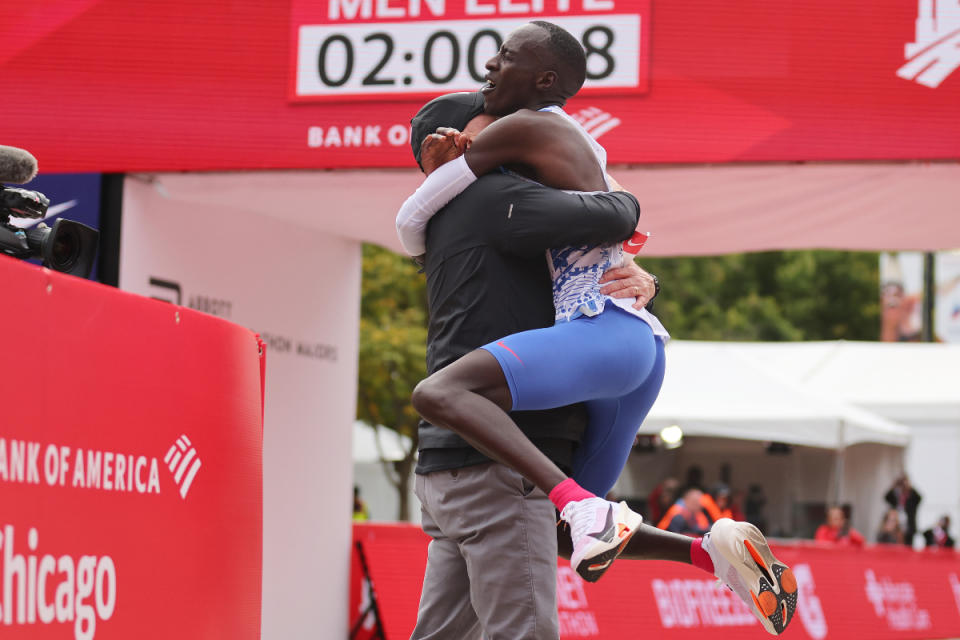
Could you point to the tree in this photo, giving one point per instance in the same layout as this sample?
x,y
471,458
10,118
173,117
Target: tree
x,y
774,295
393,335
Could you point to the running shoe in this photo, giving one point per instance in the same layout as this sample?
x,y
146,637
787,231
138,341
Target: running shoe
x,y
600,529
743,561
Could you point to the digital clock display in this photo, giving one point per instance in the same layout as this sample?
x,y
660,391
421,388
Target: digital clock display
x,y
370,59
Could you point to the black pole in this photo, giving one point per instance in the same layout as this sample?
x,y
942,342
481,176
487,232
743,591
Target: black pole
x,y
111,208
373,608
929,296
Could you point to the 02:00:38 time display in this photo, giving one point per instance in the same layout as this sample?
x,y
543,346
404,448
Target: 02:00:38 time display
x,y
442,57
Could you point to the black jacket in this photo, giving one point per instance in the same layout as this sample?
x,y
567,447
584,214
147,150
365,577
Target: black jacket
x,y
930,539
909,508
487,278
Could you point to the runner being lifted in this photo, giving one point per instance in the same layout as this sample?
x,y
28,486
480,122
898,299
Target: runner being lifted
x,y
600,350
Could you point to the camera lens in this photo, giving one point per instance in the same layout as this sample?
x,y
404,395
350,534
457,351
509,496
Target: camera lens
x,y
69,246
65,249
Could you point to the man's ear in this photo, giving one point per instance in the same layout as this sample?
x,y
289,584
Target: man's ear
x,y
546,80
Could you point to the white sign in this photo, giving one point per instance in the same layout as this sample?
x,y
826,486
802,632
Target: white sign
x,y
336,60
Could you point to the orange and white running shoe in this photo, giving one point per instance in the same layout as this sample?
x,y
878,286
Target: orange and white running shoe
x,y
743,561
599,529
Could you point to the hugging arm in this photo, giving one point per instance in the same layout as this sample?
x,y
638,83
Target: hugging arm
x,y
542,218
509,141
440,187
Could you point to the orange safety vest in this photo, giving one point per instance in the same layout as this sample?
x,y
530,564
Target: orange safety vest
x,y
710,506
679,509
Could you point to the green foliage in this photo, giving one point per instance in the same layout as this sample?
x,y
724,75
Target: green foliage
x,y
393,337
776,295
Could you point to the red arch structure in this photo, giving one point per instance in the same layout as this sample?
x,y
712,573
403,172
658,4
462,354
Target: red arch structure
x,y
778,127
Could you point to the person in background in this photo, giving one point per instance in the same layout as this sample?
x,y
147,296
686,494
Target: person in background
x,y
905,499
938,537
687,516
738,504
754,506
890,530
838,530
695,477
662,498
718,503
360,511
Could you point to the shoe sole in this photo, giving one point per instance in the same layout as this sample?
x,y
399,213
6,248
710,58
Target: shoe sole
x,y
771,582
593,567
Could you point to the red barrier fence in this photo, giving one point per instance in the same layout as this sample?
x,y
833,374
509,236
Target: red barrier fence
x,y
878,592
130,465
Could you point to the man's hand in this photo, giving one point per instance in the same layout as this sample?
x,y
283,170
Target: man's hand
x,y
462,139
629,281
438,149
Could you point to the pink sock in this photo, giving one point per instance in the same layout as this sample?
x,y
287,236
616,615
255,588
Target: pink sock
x,y
700,558
568,491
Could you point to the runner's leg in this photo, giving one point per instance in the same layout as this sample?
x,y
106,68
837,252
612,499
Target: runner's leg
x,y
588,358
613,426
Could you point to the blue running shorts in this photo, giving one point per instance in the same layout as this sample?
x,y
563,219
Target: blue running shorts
x,y
611,361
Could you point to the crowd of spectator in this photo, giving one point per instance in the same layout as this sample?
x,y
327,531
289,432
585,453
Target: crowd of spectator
x,y
898,526
691,508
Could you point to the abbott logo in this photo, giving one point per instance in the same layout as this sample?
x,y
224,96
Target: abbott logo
x,y
936,52
178,459
596,121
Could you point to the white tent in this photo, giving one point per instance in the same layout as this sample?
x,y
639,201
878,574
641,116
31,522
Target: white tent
x,y
373,451
373,444
917,384
730,398
908,382
723,389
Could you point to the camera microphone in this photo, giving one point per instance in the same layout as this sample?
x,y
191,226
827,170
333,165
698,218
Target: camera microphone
x,y
16,165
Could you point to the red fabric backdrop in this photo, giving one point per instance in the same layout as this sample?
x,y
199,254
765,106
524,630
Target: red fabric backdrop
x,y
118,85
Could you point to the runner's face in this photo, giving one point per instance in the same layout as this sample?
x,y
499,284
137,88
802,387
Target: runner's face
x,y
512,73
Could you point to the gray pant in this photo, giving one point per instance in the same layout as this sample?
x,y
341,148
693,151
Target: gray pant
x,y
492,563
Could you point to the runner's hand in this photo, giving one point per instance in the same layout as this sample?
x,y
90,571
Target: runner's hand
x,y
629,281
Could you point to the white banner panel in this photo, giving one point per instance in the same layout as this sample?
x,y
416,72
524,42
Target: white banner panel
x,y
449,55
299,288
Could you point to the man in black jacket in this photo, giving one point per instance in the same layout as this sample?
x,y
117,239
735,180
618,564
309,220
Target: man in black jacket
x,y
939,537
492,562
905,499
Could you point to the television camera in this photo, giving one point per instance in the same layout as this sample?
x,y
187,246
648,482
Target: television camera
x,y
68,246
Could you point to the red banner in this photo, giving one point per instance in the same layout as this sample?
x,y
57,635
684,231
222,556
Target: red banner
x,y
880,592
130,465
117,85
